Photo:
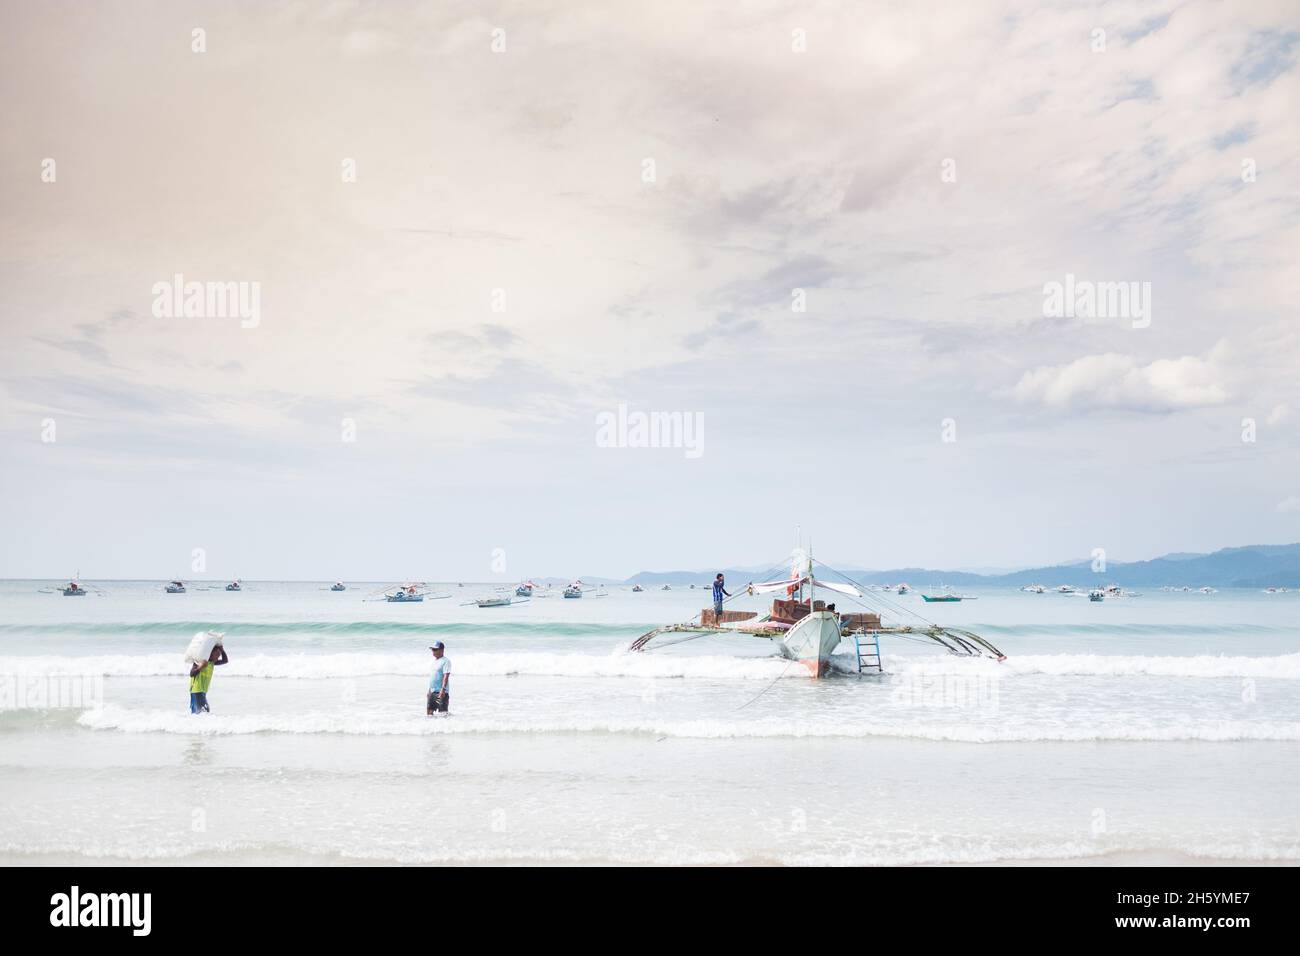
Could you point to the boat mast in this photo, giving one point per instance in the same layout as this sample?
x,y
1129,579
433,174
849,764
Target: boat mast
x,y
812,588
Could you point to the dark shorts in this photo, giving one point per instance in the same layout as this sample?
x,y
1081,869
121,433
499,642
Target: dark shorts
x,y
435,706
198,703
717,608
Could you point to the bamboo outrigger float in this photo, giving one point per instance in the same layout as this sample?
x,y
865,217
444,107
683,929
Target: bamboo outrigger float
x,y
809,630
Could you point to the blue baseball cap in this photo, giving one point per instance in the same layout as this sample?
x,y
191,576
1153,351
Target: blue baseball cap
x,y
436,646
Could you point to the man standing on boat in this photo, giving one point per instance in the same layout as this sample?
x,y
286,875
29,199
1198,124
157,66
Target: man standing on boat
x,y
440,682
719,591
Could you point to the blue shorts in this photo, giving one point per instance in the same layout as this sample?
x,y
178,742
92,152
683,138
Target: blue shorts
x,y
199,703
717,608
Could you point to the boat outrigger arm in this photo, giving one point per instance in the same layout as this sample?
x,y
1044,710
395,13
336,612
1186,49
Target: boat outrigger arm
x,y
958,641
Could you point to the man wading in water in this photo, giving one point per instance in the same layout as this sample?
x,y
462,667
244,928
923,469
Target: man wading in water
x,y
201,680
439,683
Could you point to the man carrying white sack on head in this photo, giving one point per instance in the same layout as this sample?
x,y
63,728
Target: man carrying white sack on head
x,y
201,679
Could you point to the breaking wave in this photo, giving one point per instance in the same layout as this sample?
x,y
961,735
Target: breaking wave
x,y
624,664
113,717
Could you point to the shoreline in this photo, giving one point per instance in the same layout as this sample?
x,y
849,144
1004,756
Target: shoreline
x,y
1117,858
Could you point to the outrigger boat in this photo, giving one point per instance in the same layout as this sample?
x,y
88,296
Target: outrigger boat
x,y
945,596
637,589
809,630
525,589
175,587
338,586
234,586
73,588
503,601
410,592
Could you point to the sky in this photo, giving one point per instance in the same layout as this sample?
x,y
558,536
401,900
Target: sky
x,y
826,234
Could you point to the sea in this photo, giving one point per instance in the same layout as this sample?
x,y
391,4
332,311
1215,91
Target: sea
x,y
1161,727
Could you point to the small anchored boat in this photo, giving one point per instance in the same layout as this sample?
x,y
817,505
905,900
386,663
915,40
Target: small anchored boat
x,y
234,586
338,586
175,587
74,588
411,592
637,589
945,596
503,601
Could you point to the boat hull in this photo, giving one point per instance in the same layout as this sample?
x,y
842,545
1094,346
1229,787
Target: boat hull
x,y
811,641
405,599
939,598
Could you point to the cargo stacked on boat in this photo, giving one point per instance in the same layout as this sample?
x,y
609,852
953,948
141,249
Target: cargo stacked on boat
x,y
709,619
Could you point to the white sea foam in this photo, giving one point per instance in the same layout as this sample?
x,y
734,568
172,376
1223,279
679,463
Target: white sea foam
x,y
1281,667
624,664
326,666
114,717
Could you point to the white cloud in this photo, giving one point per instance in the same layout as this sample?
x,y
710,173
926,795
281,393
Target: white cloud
x,y
1113,380
1289,505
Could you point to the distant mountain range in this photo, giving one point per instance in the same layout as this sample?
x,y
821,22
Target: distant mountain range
x,y
1253,566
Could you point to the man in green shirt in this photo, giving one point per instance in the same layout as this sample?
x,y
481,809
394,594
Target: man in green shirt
x,y
201,680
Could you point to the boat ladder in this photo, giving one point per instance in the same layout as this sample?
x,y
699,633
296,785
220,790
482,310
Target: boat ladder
x,y
868,645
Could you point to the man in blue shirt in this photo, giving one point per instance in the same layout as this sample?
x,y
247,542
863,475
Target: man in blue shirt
x,y
718,593
439,683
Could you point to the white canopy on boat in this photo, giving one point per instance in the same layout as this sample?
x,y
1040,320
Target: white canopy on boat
x,y
841,588
768,586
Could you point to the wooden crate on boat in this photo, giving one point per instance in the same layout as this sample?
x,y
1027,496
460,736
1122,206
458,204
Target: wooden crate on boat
x,y
870,622
709,619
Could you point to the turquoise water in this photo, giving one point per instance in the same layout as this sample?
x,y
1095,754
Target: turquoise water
x,y
1164,722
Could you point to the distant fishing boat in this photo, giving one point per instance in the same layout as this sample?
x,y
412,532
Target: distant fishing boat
x,y
944,597
503,601
407,593
1066,589
175,587
1034,588
525,589
637,589
73,588
338,586
573,591
1096,594
234,586
666,587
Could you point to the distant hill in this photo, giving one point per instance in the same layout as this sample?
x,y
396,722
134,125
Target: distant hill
x,y
1252,566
